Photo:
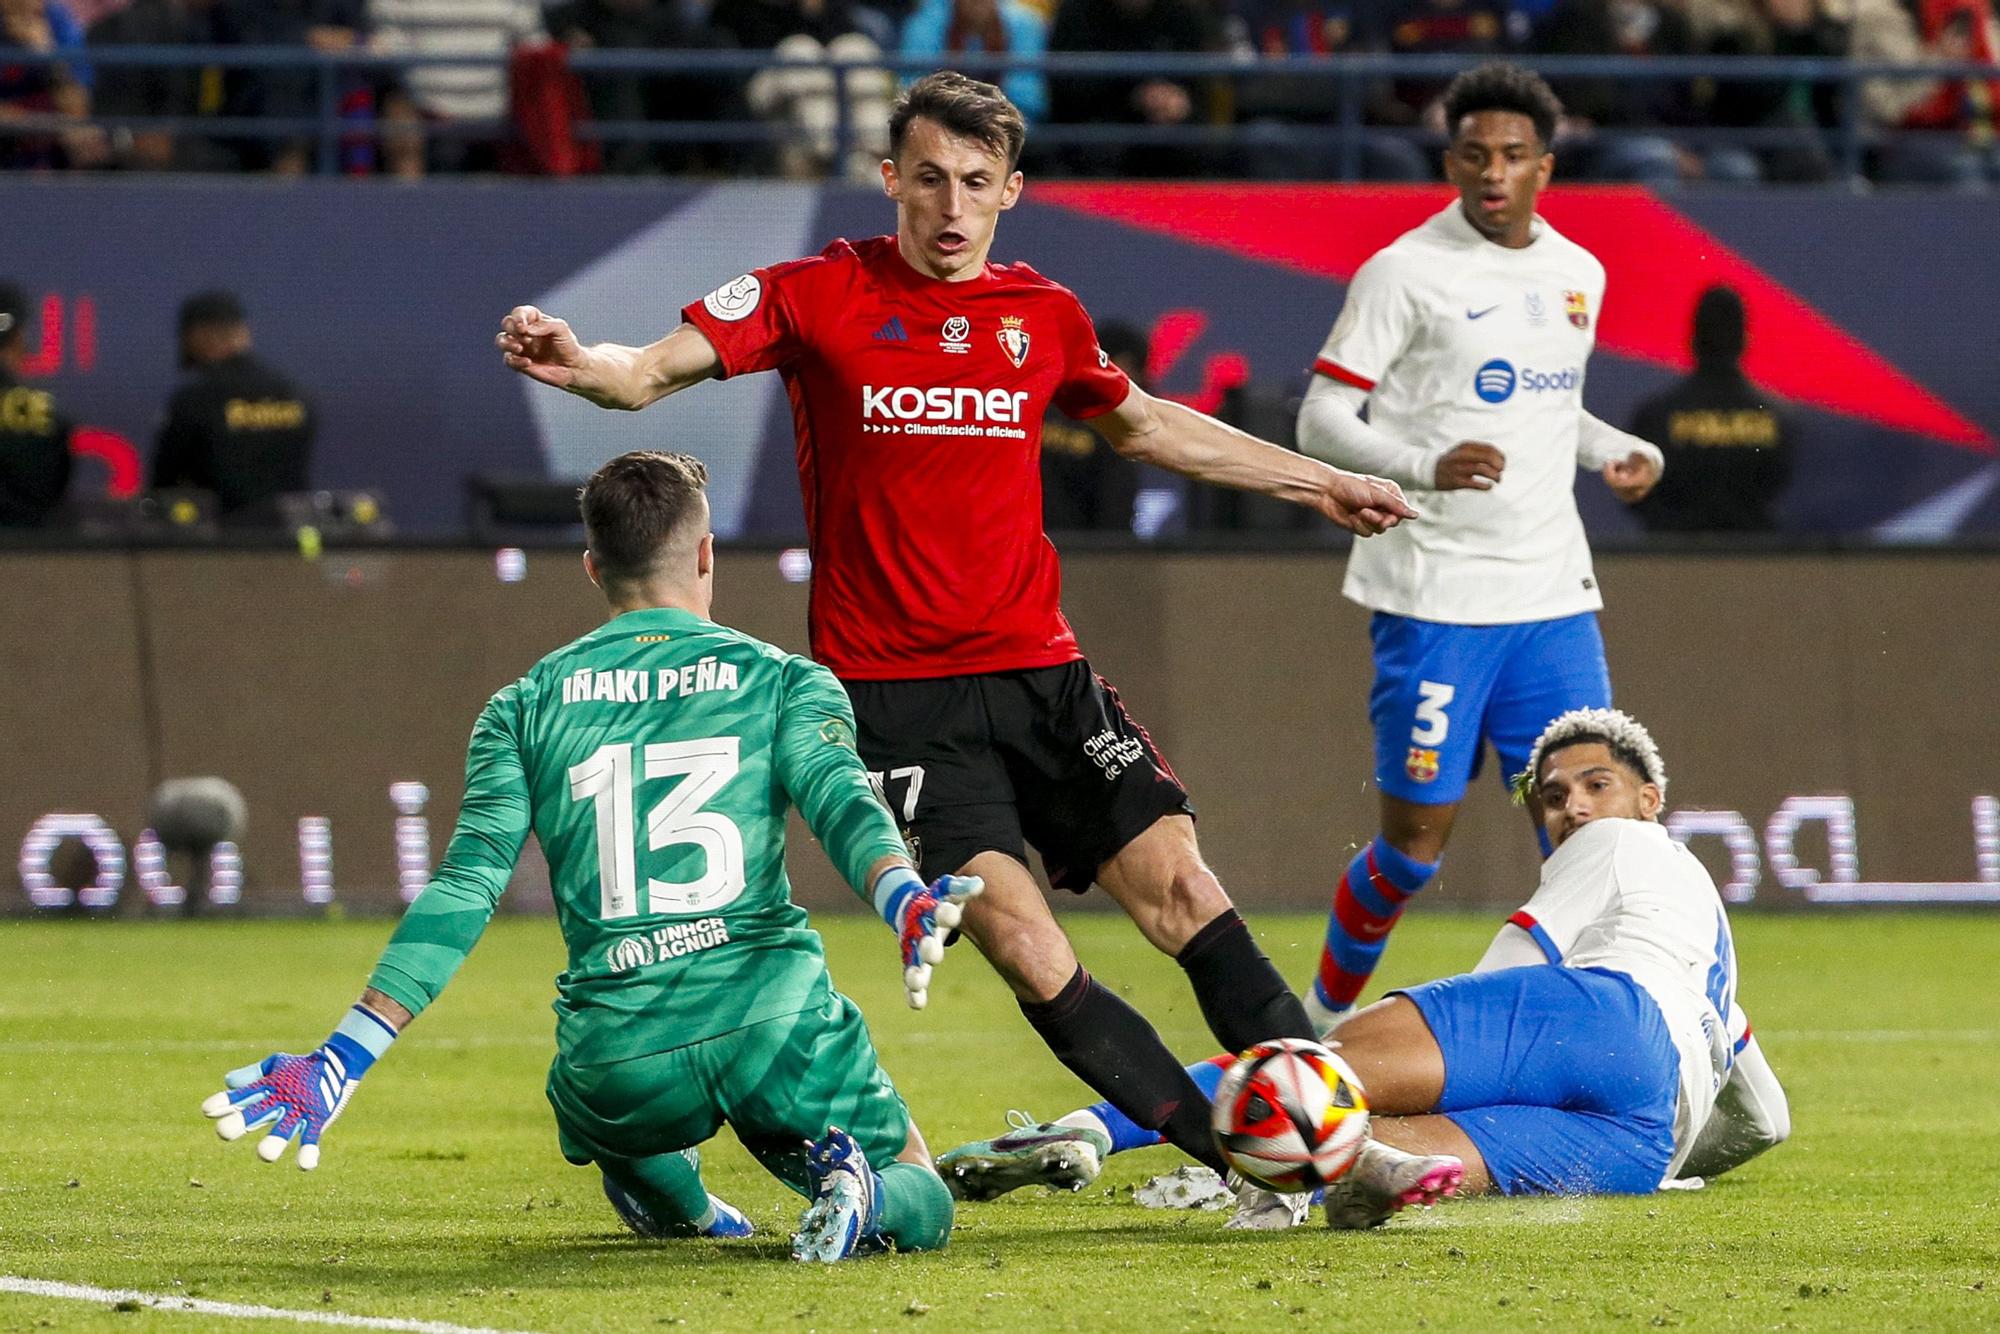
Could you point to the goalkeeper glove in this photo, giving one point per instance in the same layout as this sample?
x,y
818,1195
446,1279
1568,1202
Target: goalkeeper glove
x,y
300,1095
921,917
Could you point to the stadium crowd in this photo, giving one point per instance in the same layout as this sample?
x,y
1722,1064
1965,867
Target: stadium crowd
x,y
454,117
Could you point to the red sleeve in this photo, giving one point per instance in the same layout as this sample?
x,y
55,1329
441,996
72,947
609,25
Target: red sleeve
x,y
758,322
1092,385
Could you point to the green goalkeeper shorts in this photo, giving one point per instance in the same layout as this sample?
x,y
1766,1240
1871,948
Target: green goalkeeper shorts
x,y
779,1084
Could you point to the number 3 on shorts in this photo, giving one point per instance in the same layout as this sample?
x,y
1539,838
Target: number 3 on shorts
x,y
1432,725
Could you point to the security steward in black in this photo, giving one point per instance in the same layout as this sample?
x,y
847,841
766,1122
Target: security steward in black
x,y
1728,444
34,435
237,427
1086,485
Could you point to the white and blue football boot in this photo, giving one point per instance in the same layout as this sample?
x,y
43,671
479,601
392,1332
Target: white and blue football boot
x,y
845,1214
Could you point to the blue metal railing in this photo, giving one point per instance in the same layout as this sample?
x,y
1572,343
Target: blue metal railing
x,y
1350,77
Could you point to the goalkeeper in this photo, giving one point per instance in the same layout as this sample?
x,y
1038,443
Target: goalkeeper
x,y
655,759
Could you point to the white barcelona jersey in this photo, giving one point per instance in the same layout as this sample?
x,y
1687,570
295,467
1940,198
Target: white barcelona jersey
x,y
1622,895
1457,338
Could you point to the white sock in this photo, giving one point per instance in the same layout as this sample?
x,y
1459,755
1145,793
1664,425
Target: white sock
x,y
1085,1119
1324,1017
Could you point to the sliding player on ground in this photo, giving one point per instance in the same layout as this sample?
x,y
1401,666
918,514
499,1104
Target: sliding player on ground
x,y
1467,340
1598,1047
654,759
919,376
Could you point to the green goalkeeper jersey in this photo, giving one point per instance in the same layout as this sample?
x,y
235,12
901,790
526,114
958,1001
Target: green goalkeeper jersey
x,y
654,759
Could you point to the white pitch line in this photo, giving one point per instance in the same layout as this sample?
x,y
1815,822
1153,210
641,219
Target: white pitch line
x,y
1883,1034
53,1046
80,1292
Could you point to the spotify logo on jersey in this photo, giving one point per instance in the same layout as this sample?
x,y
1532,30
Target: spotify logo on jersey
x,y
1494,382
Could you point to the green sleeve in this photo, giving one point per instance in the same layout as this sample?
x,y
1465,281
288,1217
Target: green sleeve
x,y
824,776
445,921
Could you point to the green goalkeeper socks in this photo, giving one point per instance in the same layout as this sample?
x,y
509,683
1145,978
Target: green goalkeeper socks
x,y
668,1187
916,1208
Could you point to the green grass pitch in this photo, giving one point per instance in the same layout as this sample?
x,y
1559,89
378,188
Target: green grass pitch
x,y
442,1196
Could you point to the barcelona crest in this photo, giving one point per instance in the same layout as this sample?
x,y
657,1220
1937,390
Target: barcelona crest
x,y
1013,339
1422,766
1579,309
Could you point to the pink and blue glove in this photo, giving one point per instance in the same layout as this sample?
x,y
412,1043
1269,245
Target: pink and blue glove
x,y
300,1095
922,917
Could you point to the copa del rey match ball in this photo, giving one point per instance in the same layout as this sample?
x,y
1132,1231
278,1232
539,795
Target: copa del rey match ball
x,y
1290,1115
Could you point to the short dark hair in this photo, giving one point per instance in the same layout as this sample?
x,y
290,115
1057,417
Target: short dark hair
x,y
13,311
965,106
1503,87
637,506
210,308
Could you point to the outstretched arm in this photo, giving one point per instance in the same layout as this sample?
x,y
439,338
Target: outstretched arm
x,y
611,375
303,1095
1179,439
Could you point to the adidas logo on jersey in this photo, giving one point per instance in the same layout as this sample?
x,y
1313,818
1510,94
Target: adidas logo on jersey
x,y
892,332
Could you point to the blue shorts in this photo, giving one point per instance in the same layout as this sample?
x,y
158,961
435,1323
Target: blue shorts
x,y
1442,690
1565,1078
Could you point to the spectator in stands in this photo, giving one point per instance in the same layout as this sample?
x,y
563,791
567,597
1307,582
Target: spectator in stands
x,y
1727,444
937,30
1086,485
1283,118
1640,29
34,434
1159,26
1779,28
650,25
804,94
124,90
433,97
237,427
1469,28
44,27
320,25
1963,119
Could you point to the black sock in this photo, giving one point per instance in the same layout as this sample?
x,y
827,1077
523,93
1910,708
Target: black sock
x,y
1240,992
1110,1046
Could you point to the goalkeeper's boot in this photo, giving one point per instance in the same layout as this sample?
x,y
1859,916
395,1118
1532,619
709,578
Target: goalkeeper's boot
x,y
845,1214
1031,1154
1262,1210
1384,1180
729,1221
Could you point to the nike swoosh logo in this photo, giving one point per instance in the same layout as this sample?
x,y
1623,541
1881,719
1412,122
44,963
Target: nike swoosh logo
x,y
1480,314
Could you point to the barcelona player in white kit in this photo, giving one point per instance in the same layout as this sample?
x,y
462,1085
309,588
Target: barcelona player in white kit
x,y
1598,1047
1467,340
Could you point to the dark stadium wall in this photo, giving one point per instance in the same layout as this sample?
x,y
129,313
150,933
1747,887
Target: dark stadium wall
x,y
313,686
383,301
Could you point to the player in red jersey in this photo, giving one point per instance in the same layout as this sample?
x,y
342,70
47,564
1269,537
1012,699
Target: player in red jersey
x,y
919,375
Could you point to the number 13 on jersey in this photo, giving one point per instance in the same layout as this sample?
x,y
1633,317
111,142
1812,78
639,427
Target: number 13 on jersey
x,y
605,780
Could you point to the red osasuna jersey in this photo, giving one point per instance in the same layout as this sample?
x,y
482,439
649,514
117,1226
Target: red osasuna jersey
x,y
918,408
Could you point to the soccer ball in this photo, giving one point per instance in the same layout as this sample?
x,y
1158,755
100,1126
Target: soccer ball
x,y
1290,1115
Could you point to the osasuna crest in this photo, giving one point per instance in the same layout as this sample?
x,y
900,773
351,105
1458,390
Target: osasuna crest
x,y
1013,339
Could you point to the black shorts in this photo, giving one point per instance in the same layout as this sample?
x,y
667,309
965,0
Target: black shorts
x,y
991,763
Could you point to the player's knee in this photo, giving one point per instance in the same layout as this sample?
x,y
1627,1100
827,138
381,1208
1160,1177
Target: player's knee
x,y
1418,832
1189,900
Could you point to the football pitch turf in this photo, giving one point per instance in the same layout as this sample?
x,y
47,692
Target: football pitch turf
x,y
442,1197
